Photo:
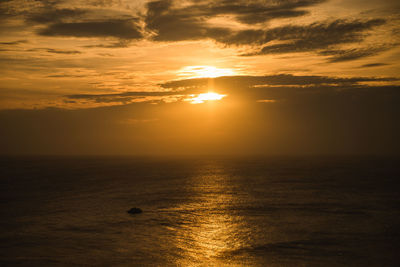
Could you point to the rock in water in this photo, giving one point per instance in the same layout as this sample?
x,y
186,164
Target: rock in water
x,y
134,211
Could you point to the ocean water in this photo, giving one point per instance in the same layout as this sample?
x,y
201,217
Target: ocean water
x,y
276,211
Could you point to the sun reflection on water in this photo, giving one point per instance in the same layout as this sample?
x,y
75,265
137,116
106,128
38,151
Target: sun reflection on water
x,y
211,228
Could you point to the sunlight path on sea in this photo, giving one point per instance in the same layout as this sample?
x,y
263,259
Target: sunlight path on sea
x,y
211,228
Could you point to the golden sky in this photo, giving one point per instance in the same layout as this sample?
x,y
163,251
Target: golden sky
x,y
156,59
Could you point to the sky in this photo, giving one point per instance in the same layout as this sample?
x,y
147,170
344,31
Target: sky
x,y
138,77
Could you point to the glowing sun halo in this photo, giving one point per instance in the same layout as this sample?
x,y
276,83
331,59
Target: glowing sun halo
x,y
201,98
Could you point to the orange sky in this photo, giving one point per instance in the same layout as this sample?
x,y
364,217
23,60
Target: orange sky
x,y
54,48
153,58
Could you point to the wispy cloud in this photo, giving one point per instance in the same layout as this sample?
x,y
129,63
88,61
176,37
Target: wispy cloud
x,y
55,15
126,97
313,37
56,51
341,55
371,65
280,79
14,42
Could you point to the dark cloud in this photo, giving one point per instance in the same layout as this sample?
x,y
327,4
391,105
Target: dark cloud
x,y
59,51
55,15
10,9
291,89
113,99
126,97
352,54
312,37
244,37
124,29
122,43
66,76
261,11
252,88
125,94
370,65
169,20
88,22
5,9
56,51
240,85
271,80
176,25
324,93
171,23
14,42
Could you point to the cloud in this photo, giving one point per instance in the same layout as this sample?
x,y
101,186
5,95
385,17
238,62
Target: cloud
x,y
52,15
262,89
169,22
123,98
122,43
258,87
66,76
311,37
57,51
83,20
285,87
262,11
125,94
370,65
325,93
14,42
118,28
177,24
271,80
352,54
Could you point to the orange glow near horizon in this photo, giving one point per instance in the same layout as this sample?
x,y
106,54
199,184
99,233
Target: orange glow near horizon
x,y
201,98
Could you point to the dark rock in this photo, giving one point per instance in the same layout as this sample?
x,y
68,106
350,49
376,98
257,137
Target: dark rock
x,y
134,211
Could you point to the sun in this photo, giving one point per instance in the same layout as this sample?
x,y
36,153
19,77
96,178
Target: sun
x,y
201,98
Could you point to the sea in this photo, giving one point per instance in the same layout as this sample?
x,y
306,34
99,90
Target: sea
x,y
199,211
